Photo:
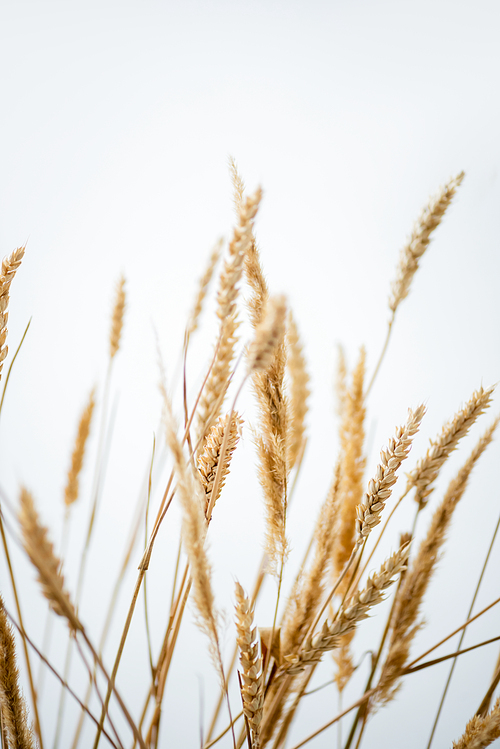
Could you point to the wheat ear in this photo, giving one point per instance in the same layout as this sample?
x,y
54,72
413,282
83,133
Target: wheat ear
x,y
41,553
419,239
269,334
425,472
355,610
208,460
10,265
299,392
213,393
252,687
481,731
418,577
13,709
72,483
380,488
117,318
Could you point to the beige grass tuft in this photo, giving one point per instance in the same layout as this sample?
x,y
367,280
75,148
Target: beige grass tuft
x,y
203,286
10,266
419,240
13,709
269,334
72,484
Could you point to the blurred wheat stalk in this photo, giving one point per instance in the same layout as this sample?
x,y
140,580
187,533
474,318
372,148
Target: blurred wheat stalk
x,y
331,594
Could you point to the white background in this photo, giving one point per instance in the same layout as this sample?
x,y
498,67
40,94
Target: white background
x,y
117,122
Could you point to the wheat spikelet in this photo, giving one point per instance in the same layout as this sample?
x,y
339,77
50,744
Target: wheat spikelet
x,y
269,333
299,392
380,488
213,393
417,579
352,437
351,613
72,484
117,318
13,709
425,472
419,239
203,286
208,460
238,184
10,265
252,687
41,553
481,731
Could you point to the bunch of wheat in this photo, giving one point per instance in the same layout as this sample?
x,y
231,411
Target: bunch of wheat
x,y
332,594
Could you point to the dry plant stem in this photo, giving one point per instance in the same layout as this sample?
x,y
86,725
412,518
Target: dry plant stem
x,y
223,733
483,707
450,675
455,654
382,355
338,717
22,631
12,364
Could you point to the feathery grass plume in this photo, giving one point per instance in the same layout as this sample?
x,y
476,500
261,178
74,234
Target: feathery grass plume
x,y
117,318
10,265
13,709
41,553
481,731
269,333
208,460
299,391
308,588
417,579
380,488
194,531
252,687
72,484
213,393
352,437
417,243
203,285
425,472
355,610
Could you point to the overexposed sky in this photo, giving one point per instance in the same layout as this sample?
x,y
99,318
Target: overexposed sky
x,y
117,122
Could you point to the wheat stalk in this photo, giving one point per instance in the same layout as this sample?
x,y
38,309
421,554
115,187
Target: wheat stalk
x,y
380,488
252,688
419,240
425,472
355,610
